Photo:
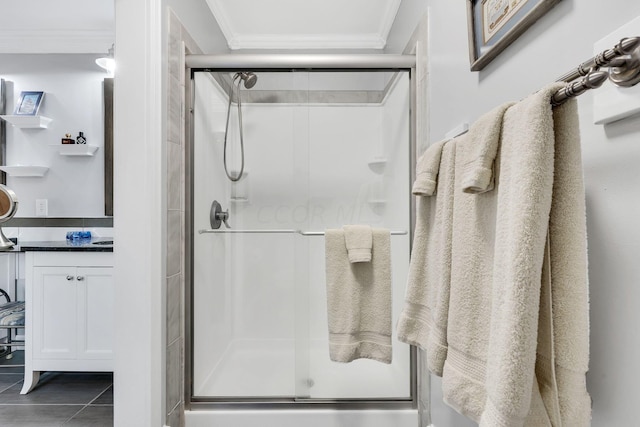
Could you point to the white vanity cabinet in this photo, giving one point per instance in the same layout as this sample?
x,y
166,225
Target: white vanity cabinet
x,y
69,300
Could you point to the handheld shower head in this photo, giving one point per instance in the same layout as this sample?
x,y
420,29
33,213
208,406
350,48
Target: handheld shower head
x,y
249,79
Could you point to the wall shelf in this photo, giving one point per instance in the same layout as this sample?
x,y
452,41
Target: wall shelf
x,y
27,121
21,170
77,149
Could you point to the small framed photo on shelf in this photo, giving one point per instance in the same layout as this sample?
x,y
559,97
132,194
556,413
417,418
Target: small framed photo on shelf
x,y
495,24
29,103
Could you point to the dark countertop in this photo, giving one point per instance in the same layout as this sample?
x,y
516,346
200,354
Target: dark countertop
x,y
63,245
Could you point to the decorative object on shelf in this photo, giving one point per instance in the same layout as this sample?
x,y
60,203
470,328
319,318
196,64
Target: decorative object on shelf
x,y
495,24
27,121
67,139
108,62
8,208
80,139
28,103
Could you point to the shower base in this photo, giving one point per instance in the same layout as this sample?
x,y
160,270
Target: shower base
x,y
267,368
302,418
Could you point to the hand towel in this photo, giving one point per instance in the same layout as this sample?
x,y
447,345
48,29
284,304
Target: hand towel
x,y
478,154
427,170
358,239
423,320
358,299
512,357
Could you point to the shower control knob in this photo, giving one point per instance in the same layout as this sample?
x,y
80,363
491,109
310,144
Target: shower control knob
x,y
224,216
217,216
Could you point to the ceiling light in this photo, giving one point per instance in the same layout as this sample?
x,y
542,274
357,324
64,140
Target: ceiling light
x,y
107,62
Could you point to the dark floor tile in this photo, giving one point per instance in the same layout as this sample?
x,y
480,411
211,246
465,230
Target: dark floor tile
x,y
7,380
93,416
14,364
106,398
60,388
37,415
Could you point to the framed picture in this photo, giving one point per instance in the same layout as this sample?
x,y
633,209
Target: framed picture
x,y
495,24
28,103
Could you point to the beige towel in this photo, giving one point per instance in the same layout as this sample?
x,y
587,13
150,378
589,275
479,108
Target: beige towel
x,y
503,364
478,155
358,239
359,299
568,282
427,170
423,321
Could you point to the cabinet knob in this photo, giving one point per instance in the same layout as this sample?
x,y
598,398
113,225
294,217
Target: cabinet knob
x,y
69,277
80,277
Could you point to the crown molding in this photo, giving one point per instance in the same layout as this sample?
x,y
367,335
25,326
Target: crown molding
x,y
56,41
238,41
388,19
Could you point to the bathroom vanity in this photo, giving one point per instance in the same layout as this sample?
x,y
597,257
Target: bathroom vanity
x,y
69,295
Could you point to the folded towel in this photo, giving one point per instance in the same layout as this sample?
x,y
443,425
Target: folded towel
x,y
478,154
359,240
427,170
423,320
359,299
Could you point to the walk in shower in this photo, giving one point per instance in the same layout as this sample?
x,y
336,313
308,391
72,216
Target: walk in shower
x,y
314,149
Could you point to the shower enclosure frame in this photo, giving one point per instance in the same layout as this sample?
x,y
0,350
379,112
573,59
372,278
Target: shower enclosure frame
x,y
288,63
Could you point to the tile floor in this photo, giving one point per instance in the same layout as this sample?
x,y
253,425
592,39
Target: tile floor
x,y
60,399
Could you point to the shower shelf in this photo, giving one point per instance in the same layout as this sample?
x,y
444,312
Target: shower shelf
x,y
239,200
377,164
285,231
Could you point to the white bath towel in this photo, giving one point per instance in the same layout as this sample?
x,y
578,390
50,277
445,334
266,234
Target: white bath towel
x,y
423,320
359,299
427,169
477,156
359,240
504,365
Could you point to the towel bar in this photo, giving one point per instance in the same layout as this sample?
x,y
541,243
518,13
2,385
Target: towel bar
x,y
300,232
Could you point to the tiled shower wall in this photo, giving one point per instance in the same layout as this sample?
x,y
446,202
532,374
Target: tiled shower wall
x,y
179,42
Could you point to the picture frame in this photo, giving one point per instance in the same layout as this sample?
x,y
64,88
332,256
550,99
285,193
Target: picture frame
x,y
28,103
495,24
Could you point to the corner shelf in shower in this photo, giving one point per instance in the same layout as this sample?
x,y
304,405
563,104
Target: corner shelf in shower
x,y
239,199
377,205
23,170
377,164
77,149
34,122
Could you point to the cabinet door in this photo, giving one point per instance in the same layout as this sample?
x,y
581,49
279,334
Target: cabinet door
x,y
95,312
54,313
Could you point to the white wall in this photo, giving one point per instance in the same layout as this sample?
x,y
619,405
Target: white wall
x,y
73,186
557,43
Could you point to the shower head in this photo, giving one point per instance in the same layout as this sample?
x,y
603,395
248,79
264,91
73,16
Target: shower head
x,y
249,79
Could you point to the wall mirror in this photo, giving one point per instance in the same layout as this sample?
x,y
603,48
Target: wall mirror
x,y
8,208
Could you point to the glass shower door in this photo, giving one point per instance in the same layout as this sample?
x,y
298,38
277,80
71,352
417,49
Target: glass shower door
x,y
321,150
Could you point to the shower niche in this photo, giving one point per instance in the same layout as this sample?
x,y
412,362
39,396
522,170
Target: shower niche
x,y
258,302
